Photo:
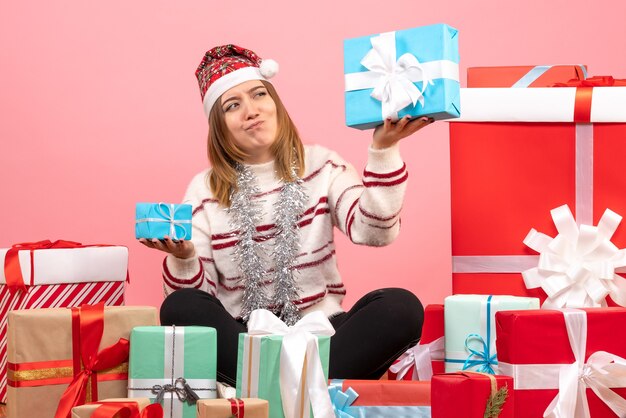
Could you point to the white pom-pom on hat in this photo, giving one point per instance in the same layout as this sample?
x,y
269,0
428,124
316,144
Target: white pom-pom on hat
x,y
268,68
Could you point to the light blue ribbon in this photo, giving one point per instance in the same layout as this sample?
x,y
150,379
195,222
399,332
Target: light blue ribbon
x,y
484,359
342,401
537,72
394,411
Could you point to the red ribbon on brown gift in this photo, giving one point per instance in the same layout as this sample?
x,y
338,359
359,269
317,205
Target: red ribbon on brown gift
x,y
87,330
236,406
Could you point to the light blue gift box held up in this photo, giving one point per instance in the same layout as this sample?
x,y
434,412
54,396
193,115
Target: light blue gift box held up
x,y
167,363
470,330
411,72
156,220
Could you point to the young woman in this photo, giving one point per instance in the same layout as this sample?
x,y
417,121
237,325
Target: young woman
x,y
263,221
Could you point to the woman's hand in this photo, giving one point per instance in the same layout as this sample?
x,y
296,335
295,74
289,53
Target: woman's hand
x,y
389,133
180,249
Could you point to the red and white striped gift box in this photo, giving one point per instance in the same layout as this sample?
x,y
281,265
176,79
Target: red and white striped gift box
x,y
61,277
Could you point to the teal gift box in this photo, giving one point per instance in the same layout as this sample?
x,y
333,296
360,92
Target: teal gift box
x,y
173,366
470,329
258,368
156,220
407,72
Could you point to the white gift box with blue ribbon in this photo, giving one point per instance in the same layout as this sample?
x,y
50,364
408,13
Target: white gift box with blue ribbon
x,y
407,72
470,329
156,220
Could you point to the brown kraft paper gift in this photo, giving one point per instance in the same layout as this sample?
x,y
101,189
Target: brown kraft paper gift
x,y
223,408
41,361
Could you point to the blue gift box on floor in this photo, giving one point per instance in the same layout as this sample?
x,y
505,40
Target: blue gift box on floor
x,y
155,220
407,72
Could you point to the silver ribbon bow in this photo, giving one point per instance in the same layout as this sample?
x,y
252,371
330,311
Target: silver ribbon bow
x,y
183,391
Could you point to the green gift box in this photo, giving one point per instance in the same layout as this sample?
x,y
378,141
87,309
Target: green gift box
x,y
172,365
259,367
470,329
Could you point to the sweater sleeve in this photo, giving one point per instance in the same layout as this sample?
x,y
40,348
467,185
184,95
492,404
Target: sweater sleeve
x,y
367,209
198,272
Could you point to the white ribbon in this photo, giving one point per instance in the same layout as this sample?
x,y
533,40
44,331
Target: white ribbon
x,y
391,79
577,268
302,382
420,355
601,372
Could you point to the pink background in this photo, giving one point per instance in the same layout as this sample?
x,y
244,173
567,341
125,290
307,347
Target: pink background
x,y
100,109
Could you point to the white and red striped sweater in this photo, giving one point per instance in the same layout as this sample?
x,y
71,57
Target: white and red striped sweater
x,y
366,209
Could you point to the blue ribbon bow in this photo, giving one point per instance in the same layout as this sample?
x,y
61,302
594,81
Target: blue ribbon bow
x,y
342,401
484,359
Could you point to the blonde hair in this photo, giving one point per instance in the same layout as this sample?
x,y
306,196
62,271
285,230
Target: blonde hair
x,y
224,154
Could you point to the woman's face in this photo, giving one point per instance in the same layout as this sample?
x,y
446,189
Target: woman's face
x,y
250,116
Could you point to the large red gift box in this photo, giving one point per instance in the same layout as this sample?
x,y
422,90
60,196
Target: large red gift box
x,y
536,347
524,75
518,153
466,394
431,345
57,274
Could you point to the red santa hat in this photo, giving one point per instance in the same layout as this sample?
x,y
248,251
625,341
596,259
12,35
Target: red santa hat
x,y
226,66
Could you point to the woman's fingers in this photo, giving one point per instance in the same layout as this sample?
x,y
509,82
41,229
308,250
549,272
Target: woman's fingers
x,y
170,245
389,133
402,123
416,125
387,125
159,245
147,243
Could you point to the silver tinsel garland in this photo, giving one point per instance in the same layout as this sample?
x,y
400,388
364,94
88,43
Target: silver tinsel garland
x,y
249,254
288,209
245,216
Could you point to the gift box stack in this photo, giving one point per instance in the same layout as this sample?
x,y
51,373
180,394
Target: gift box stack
x,y
49,274
527,330
69,349
531,143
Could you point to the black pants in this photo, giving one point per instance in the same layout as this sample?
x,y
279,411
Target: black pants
x,y
378,328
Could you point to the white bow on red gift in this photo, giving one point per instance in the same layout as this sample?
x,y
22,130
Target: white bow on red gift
x,y
577,268
601,372
420,356
300,392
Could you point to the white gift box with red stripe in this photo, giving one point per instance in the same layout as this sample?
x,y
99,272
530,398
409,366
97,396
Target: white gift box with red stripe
x,y
61,277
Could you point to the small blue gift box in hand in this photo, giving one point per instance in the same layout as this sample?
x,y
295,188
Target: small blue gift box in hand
x,y
156,220
407,72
